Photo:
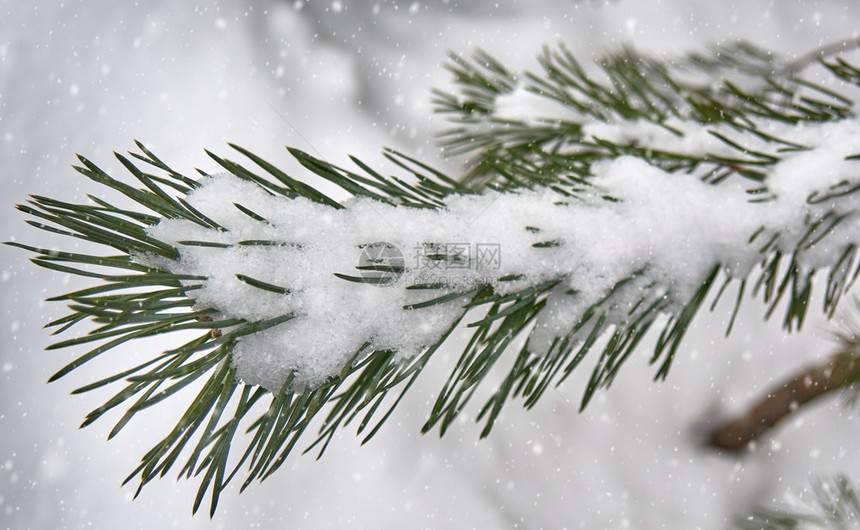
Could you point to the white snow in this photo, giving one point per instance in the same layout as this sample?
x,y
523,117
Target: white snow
x,y
527,106
672,228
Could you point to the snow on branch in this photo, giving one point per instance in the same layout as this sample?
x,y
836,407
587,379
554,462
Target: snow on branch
x,y
636,242
584,228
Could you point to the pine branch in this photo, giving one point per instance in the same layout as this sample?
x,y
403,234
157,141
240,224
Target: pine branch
x,y
834,506
629,86
263,265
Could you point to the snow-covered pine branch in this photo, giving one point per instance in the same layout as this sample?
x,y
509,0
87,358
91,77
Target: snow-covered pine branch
x,y
597,206
629,242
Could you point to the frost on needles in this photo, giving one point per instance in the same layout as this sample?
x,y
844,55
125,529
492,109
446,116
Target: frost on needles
x,y
598,202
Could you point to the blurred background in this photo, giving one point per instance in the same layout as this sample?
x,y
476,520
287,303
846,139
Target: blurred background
x,y
349,77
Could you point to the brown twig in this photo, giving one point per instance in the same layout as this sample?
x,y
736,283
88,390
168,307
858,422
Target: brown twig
x,y
841,370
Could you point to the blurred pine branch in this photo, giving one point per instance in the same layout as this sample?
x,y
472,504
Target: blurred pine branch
x,y
833,505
